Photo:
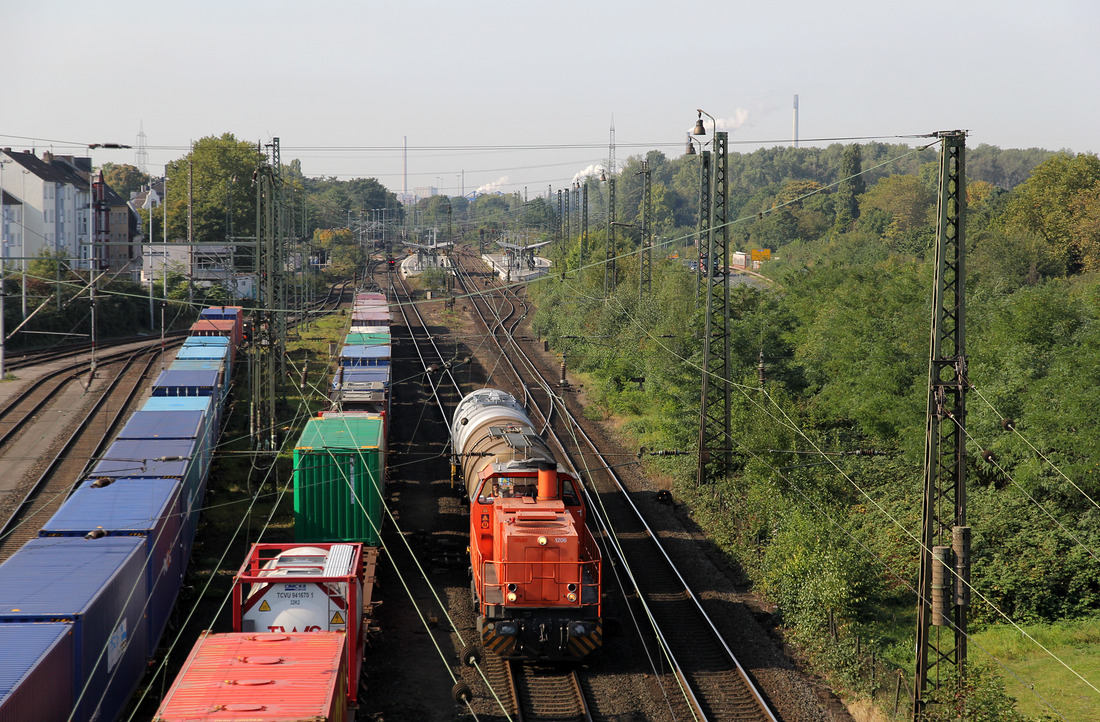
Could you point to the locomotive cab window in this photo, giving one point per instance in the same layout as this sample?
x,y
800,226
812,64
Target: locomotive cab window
x,y
508,487
569,494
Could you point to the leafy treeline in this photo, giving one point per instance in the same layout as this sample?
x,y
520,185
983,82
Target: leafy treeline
x,y
59,308
215,180
842,325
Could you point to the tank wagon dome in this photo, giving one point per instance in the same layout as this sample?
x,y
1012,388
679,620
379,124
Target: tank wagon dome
x,y
481,406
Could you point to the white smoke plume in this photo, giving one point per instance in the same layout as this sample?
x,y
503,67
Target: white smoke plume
x,y
738,119
592,170
494,186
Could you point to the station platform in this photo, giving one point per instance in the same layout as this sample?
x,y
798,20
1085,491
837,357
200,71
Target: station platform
x,y
505,267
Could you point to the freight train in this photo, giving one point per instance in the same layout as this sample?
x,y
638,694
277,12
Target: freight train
x,y
83,606
297,647
340,458
535,564
301,611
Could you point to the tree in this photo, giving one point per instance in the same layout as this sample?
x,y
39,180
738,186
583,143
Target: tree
x,y
1059,203
851,187
661,213
909,205
491,210
330,200
978,193
433,278
123,178
218,171
328,238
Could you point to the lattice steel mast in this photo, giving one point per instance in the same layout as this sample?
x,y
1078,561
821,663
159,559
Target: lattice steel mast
x,y
645,253
609,257
269,332
715,451
703,235
944,585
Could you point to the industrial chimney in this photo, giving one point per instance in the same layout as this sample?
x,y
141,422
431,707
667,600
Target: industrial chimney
x,y
795,133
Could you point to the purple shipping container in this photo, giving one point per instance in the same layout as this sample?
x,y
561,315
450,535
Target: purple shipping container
x,y
35,673
145,508
98,587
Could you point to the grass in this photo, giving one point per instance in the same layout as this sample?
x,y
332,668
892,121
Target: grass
x,y
1074,643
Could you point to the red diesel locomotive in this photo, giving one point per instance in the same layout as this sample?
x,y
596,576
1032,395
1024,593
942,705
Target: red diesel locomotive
x,y
535,564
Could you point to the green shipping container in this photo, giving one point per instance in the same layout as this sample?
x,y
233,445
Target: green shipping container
x,y
339,464
368,339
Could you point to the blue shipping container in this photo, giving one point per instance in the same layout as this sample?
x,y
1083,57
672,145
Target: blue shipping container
x,y
147,459
361,374
206,341
159,458
145,508
177,403
206,352
188,403
187,383
197,364
221,313
356,355
164,425
201,365
98,586
35,680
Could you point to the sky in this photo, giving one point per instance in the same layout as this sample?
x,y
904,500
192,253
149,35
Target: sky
x,y
520,96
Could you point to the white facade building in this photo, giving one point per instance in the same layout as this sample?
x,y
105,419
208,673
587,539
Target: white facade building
x,y
54,194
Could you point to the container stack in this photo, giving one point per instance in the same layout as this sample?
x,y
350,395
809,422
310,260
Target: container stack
x,y
340,458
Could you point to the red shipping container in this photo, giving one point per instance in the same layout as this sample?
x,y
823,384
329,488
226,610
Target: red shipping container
x,y
233,330
260,678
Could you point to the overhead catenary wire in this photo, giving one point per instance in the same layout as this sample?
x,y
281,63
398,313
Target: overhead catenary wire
x,y
824,452
602,519
1046,459
750,389
795,200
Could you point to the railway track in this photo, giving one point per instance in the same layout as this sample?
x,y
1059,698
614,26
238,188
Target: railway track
x,y
26,359
531,693
49,474
548,694
23,407
713,684
122,379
